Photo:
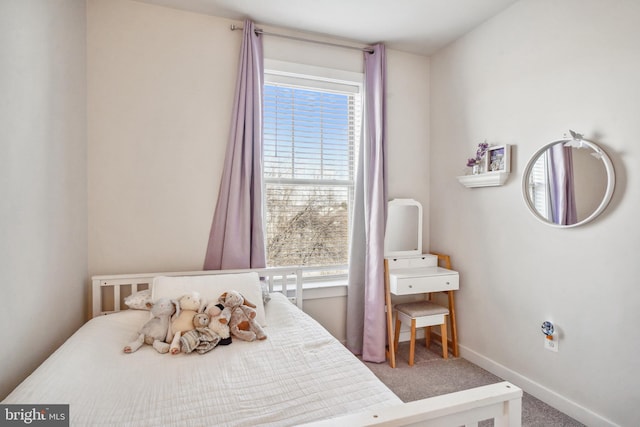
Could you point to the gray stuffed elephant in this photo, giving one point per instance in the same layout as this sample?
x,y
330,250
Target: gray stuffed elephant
x,y
155,331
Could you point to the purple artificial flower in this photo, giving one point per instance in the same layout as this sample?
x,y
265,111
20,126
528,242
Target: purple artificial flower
x,y
480,152
482,149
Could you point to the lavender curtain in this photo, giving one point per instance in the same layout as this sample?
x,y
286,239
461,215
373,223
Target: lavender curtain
x,y
562,193
236,239
366,322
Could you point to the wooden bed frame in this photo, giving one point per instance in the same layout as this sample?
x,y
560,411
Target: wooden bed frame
x,y
501,402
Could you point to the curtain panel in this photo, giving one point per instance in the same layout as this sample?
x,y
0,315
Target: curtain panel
x,y
366,327
562,191
236,239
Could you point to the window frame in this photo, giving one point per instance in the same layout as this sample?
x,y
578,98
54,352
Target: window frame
x,y
331,80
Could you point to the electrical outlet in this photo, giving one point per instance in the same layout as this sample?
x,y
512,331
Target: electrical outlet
x,y
551,345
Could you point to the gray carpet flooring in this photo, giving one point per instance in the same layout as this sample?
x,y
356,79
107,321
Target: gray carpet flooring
x,y
432,375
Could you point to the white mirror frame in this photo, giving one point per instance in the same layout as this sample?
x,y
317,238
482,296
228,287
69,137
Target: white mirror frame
x,y
394,205
611,181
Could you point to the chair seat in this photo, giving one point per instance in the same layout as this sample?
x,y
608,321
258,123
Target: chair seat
x,y
421,309
421,314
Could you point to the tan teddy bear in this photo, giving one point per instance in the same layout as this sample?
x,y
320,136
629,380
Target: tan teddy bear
x,y
202,339
188,307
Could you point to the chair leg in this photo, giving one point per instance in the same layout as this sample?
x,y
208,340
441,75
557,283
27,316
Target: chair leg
x,y
427,336
443,332
396,337
452,319
412,344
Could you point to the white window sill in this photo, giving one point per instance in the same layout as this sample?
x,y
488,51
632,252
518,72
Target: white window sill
x,y
324,289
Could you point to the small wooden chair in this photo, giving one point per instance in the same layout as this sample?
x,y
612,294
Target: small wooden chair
x,y
421,314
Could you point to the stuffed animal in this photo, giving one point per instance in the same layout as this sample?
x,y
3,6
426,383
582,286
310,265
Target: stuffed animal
x,y
242,323
220,316
155,332
201,339
188,306
201,321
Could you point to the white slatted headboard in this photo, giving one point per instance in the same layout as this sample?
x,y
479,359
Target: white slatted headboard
x,y
109,291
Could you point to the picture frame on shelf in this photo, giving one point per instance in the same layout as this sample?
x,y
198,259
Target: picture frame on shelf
x,y
498,158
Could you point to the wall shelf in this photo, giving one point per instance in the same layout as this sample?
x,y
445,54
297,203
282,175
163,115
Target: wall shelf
x,y
487,179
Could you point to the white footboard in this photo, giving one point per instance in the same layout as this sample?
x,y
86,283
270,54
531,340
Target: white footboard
x,y
501,402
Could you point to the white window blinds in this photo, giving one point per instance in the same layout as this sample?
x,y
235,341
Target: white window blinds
x,y
309,149
539,186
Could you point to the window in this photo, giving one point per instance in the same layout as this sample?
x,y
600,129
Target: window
x,y
311,125
538,186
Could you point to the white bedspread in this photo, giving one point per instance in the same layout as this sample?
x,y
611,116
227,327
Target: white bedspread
x,y
299,374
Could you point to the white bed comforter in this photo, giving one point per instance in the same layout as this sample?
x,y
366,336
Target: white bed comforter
x,y
300,373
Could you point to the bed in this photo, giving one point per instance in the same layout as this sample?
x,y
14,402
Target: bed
x,y
299,375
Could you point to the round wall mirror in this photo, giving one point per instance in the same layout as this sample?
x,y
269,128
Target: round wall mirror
x,y
568,182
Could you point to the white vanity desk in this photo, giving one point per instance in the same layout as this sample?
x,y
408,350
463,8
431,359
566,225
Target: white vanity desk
x,y
420,274
420,279
407,271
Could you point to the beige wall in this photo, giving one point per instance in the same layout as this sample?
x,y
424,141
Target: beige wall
x,y
525,78
43,214
160,87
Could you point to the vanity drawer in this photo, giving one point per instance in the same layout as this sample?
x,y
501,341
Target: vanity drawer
x,y
400,284
424,260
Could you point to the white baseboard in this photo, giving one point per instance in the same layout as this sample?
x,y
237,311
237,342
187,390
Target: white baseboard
x,y
550,397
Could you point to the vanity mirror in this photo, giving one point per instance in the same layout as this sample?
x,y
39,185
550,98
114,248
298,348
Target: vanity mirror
x,y
403,235
568,182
